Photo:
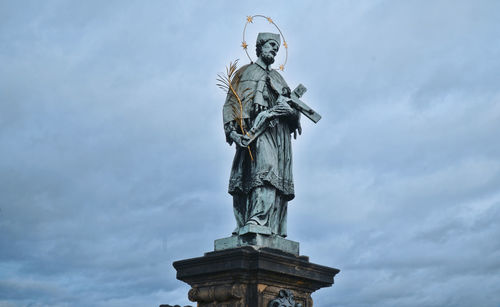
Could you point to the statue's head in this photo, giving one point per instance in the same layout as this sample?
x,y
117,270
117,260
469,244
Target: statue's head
x,y
267,46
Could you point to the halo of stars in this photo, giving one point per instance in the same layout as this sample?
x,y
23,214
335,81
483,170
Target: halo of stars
x,y
244,44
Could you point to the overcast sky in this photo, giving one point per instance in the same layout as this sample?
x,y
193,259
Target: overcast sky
x,y
113,161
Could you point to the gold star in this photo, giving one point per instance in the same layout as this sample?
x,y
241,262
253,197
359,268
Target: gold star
x,y
250,19
244,45
282,67
285,44
269,19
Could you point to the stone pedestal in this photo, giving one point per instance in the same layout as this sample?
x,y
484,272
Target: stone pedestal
x,y
253,276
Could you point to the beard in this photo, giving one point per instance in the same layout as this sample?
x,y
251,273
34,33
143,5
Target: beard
x,y
268,58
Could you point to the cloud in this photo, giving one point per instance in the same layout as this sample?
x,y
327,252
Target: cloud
x,y
114,163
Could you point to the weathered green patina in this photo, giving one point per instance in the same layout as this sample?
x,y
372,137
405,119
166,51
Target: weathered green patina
x,y
262,184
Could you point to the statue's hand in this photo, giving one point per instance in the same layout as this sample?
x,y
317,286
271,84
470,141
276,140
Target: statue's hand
x,y
282,109
299,130
245,140
239,139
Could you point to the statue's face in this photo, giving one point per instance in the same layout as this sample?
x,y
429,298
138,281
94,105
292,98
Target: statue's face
x,y
269,51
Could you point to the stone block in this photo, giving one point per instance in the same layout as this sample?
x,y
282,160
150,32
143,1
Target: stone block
x,y
257,240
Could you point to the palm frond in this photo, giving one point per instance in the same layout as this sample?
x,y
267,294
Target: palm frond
x,y
225,83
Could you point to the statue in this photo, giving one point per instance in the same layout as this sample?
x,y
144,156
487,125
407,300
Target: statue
x,y
257,265
260,114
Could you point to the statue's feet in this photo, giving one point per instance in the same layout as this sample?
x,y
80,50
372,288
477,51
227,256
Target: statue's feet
x,y
251,222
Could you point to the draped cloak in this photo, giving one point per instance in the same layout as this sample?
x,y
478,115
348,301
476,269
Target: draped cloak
x,y
258,86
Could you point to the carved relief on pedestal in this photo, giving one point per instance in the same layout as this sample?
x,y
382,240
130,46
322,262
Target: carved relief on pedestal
x,y
285,299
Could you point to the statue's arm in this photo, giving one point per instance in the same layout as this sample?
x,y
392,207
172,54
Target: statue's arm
x,y
230,125
283,109
232,110
229,128
294,121
291,115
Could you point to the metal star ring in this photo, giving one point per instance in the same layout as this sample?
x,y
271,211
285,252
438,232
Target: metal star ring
x,y
244,44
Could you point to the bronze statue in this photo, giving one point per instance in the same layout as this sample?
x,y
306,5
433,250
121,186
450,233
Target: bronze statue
x,y
261,180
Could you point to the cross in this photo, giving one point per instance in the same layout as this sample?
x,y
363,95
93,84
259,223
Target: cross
x,y
294,101
301,106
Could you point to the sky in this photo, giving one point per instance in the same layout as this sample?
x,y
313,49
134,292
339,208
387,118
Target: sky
x,y
113,160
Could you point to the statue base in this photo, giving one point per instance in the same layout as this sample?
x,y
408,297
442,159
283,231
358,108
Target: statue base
x,y
250,276
258,240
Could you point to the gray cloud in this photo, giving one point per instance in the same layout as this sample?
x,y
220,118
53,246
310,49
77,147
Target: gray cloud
x,y
113,162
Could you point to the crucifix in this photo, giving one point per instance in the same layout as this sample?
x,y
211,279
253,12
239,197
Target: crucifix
x,y
292,99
